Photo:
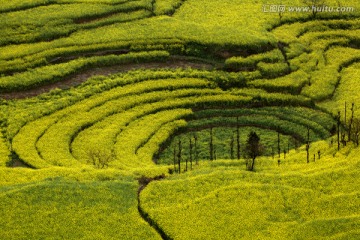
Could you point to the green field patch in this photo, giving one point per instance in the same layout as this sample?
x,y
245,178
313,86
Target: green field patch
x,y
73,210
292,31
57,19
8,6
167,7
346,91
273,70
315,47
250,62
327,78
291,83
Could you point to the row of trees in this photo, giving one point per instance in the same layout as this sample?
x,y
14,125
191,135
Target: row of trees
x,y
347,130
350,131
253,149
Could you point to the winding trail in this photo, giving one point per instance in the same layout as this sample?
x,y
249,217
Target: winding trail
x,y
143,181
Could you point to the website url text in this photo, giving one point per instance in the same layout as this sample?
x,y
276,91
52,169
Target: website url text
x,y
268,8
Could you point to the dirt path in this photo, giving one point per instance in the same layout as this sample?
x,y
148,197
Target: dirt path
x,y
81,77
143,182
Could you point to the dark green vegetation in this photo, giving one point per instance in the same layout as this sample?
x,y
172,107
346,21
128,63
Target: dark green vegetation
x,y
136,91
292,123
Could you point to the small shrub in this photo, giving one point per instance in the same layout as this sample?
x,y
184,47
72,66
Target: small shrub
x,y
100,159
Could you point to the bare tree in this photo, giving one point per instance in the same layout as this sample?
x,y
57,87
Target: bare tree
x,y
211,144
179,155
174,157
296,144
237,138
351,121
340,5
345,115
343,139
100,159
196,149
232,146
307,152
356,131
338,129
191,152
284,154
308,145
278,143
281,10
288,146
316,6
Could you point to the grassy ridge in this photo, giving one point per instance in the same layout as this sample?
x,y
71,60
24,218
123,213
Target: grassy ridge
x,y
53,73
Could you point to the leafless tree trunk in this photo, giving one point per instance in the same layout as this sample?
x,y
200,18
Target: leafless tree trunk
x,y
278,143
196,149
237,138
174,157
315,6
232,146
351,121
338,130
179,155
191,152
211,145
308,145
284,154
356,131
100,159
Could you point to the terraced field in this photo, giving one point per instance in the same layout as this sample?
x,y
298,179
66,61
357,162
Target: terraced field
x,y
105,104
291,202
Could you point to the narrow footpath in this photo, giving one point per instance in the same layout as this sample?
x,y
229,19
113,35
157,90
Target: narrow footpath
x,y
143,181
